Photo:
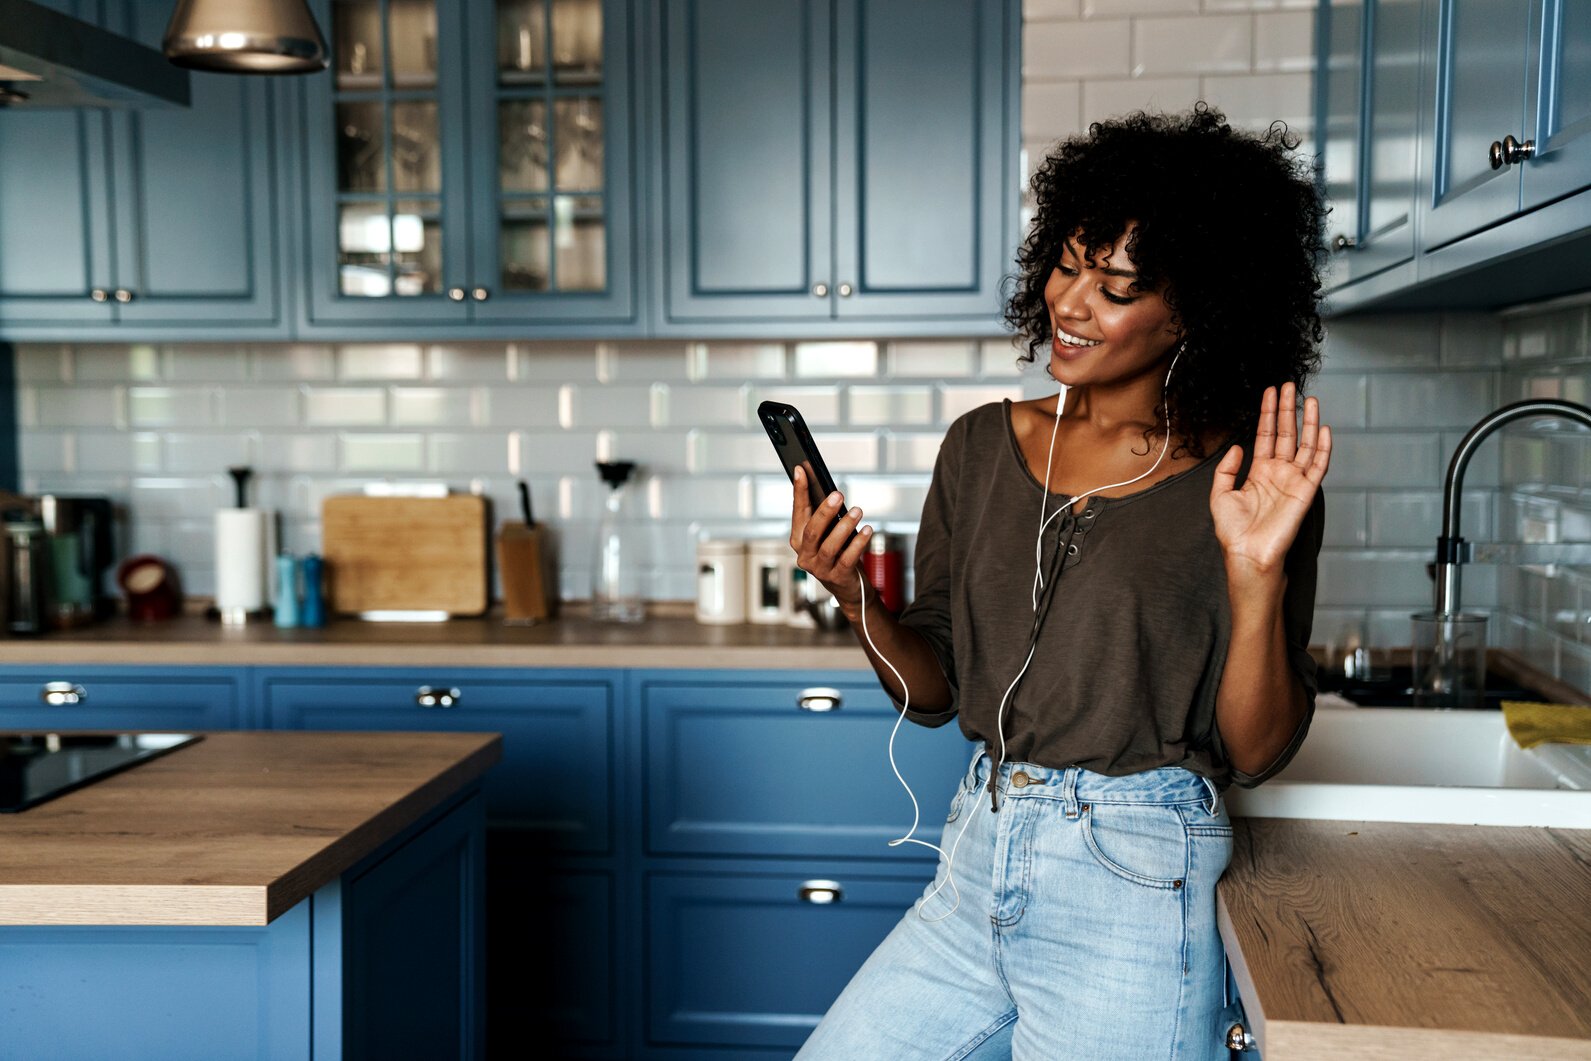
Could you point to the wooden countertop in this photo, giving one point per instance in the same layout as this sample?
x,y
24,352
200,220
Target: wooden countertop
x,y
233,830
567,642
1378,940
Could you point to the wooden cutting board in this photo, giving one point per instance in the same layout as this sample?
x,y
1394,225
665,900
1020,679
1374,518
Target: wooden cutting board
x,y
406,553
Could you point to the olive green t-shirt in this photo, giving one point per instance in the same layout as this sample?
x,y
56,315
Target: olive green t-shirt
x,y
1134,615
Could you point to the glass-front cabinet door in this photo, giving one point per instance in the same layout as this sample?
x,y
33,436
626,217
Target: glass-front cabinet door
x,y
550,151
468,161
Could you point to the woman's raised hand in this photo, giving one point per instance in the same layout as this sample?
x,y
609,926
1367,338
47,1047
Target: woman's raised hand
x,y
823,553
1257,524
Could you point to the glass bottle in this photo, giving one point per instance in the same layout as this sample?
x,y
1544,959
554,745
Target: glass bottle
x,y
618,571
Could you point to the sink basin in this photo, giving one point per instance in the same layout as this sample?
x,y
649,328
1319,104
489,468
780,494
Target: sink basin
x,y
1394,764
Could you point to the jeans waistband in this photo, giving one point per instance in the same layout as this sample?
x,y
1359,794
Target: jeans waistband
x,y
1073,784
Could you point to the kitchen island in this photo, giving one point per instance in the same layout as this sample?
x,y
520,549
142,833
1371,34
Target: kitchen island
x,y
252,895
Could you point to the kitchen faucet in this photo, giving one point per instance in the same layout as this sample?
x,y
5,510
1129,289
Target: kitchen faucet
x,y
1452,551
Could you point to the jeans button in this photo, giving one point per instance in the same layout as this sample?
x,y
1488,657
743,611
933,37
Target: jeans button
x,y
1020,779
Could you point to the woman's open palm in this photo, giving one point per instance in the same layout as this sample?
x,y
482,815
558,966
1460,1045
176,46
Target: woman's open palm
x,y
1256,525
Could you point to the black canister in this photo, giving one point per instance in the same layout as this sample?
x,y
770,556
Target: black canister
x,y
28,581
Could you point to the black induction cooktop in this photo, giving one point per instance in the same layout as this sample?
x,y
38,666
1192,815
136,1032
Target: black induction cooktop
x,y
35,767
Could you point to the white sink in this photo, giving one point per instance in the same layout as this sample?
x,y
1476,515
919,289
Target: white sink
x,y
1395,764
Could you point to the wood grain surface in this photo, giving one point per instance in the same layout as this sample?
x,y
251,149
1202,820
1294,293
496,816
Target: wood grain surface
x,y
406,553
233,830
1379,940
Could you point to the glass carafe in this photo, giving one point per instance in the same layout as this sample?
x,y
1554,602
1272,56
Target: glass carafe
x,y
619,570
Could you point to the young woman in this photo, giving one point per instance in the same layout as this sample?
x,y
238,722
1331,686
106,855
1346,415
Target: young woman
x,y
1114,593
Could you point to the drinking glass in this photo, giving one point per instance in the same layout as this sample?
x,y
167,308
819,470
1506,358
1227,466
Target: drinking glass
x,y
1449,656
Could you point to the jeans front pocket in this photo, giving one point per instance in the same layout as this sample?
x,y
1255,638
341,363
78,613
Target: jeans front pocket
x,y
1146,843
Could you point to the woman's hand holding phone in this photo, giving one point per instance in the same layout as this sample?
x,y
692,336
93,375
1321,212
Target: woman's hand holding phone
x,y
828,548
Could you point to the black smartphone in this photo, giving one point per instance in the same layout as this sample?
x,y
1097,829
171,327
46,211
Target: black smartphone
x,y
793,442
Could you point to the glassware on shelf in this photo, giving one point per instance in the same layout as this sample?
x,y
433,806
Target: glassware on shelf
x,y
417,247
361,147
577,40
416,147
357,43
1449,657
577,139
521,41
579,244
525,247
522,145
412,32
619,570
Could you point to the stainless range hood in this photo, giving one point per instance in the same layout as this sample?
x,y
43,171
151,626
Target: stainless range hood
x,y
48,59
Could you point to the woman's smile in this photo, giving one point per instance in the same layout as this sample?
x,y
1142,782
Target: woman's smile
x,y
1068,346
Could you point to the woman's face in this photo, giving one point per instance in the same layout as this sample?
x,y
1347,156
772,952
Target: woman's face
x,y
1104,329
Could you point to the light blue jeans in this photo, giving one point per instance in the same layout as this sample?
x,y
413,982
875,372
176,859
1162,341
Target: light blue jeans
x,y
1085,929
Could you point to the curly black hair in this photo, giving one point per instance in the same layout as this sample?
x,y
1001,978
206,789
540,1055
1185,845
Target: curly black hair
x,y
1229,221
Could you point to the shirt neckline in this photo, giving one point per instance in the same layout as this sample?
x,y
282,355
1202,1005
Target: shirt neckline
x,y
1094,499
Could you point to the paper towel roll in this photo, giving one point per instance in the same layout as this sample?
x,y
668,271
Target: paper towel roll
x,y
241,553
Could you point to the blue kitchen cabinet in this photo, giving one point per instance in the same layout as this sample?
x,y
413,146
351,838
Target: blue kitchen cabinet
x,y
753,957
1370,126
157,222
1560,121
468,166
835,161
387,961
791,766
121,698
554,780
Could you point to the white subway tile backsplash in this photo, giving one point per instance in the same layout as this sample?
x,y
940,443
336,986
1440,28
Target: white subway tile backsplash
x,y
1054,51
932,359
452,408
955,400
259,407
1432,399
1050,10
1344,399
736,361
911,453
1385,460
295,361
679,497
79,406
46,451
345,406
1346,521
1377,578
173,499
705,406
526,405
99,452
712,452
1415,518
642,362
819,406
299,454
1284,43
836,360
1111,97
557,452
207,454
362,361
1471,340
468,362
1119,8
114,363
887,498
204,363
607,405
395,453
43,363
890,406
488,453
1051,110
554,362
1254,101
1211,44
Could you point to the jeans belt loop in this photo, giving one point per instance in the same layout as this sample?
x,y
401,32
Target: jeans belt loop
x,y
1069,792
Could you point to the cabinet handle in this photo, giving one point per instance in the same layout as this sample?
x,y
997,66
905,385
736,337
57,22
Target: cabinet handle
x,y
480,294
99,294
456,294
1344,243
820,892
1515,152
820,290
820,700
63,694
425,696
844,290
123,295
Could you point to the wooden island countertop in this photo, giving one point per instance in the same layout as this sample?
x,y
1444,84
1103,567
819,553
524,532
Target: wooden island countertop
x,y
1378,940
233,830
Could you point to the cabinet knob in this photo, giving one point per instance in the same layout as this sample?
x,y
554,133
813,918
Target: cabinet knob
x,y
480,294
1515,152
426,696
1495,154
820,290
62,694
123,295
820,700
456,294
844,290
820,892
99,294
1344,243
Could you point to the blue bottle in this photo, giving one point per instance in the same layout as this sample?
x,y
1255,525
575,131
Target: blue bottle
x,y
313,613
286,591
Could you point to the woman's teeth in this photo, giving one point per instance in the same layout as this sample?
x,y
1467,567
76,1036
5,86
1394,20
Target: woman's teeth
x,y
1073,340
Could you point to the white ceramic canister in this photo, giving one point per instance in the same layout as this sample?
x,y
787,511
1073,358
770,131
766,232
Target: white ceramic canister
x,y
721,580
769,562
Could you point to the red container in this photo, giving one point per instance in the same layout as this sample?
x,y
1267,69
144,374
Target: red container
x,y
885,568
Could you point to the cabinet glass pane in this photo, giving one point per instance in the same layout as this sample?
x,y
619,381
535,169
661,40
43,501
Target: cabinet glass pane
x,y
521,41
356,43
1571,103
577,40
361,147
577,142
522,145
524,239
417,257
412,31
416,148
579,244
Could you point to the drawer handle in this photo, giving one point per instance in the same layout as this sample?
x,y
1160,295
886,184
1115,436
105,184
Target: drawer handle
x,y
820,892
63,694
425,696
820,700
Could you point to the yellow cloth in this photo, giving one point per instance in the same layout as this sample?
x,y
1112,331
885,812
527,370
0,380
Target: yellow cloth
x,y
1533,724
